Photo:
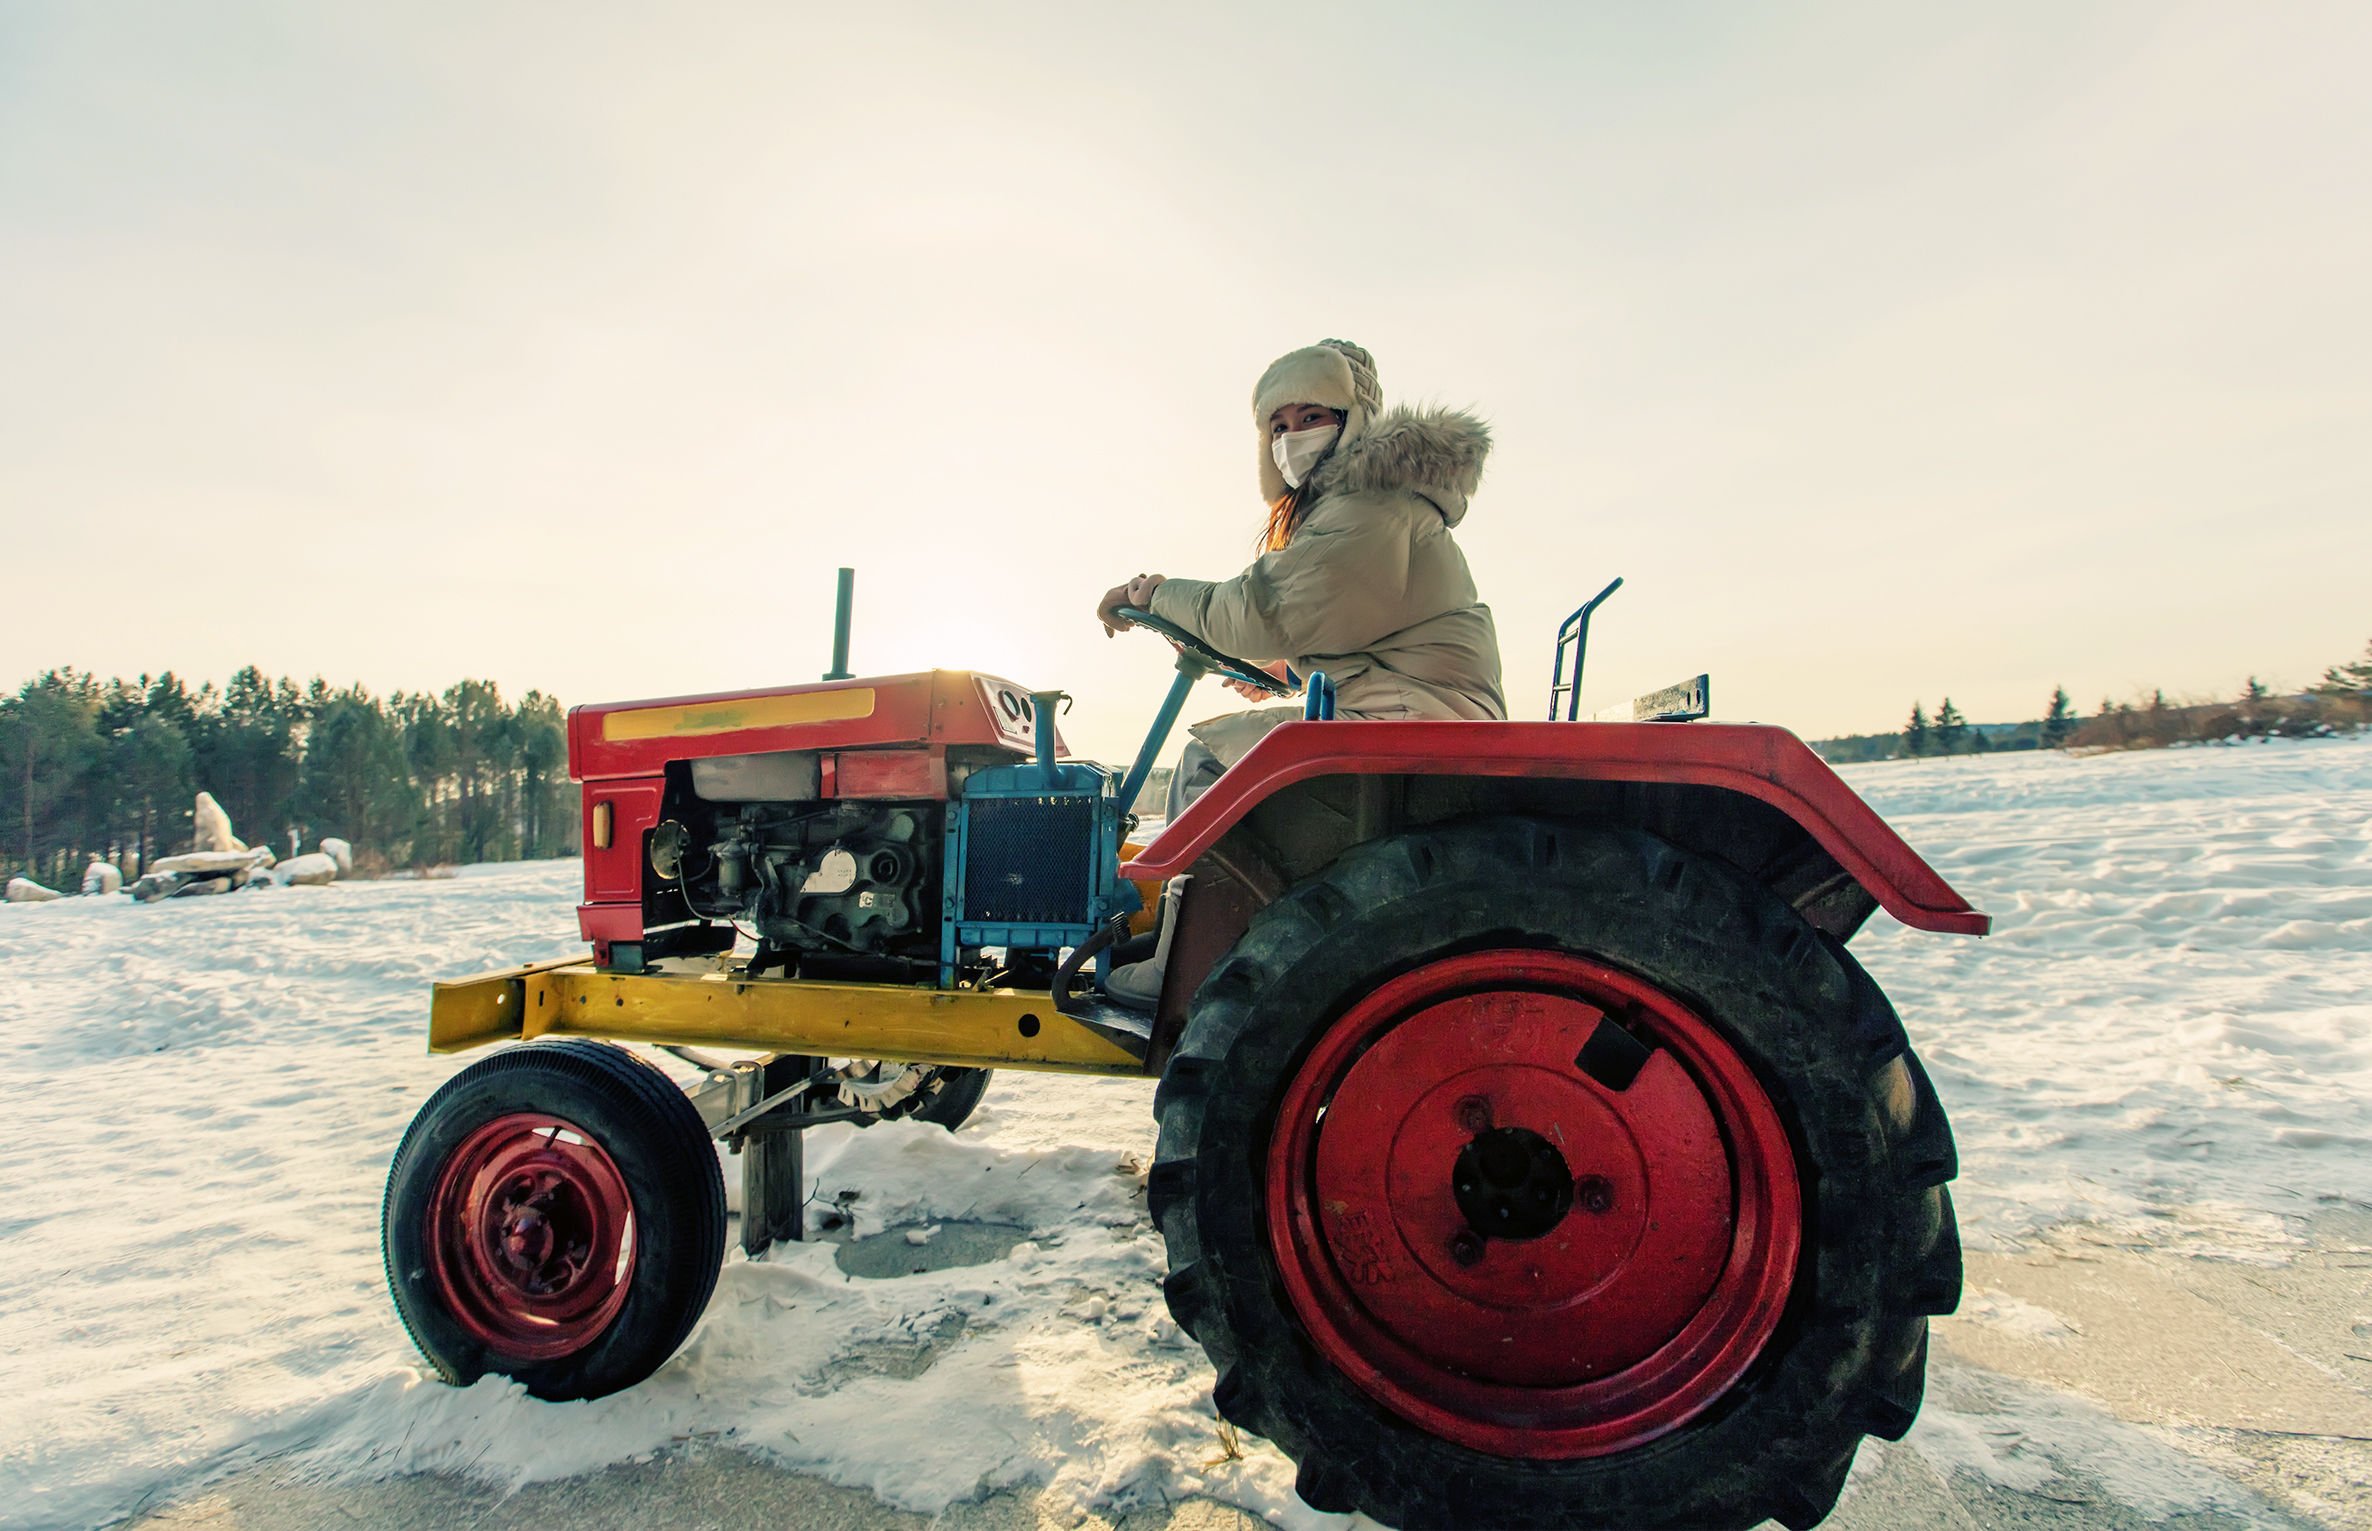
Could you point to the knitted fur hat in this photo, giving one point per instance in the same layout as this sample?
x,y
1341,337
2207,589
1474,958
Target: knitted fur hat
x,y
1334,373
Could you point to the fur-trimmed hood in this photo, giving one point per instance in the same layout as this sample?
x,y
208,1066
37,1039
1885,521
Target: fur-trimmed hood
x,y
1437,453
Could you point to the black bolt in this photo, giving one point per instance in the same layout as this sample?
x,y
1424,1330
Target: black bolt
x,y
1474,1114
1466,1248
1594,1193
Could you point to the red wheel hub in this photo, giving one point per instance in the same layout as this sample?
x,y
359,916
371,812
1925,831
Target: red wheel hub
x,y
531,1237
1513,1251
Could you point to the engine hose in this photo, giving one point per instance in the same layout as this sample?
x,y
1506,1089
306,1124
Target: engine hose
x,y
1114,929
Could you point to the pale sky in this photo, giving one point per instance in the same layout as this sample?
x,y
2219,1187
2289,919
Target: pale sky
x,y
1888,350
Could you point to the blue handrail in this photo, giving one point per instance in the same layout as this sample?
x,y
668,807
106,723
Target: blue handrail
x,y
1576,632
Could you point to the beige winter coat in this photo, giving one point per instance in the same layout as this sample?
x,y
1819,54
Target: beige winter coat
x,y
1372,589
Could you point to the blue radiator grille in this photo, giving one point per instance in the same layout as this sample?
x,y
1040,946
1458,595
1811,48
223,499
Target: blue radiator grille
x,y
1029,860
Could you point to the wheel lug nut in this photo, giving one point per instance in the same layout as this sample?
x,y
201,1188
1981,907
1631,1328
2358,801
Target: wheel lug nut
x,y
1594,1193
1474,1114
1466,1248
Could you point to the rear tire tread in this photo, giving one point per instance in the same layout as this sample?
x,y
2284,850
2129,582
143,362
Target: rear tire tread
x,y
1792,1472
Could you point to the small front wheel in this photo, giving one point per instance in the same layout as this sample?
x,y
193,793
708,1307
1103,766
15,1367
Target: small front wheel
x,y
555,1215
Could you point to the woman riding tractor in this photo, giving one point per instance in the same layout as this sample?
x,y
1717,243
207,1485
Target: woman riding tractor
x,y
1358,573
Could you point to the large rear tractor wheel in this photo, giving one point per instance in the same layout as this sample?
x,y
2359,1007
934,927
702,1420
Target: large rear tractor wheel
x,y
555,1215
1526,1174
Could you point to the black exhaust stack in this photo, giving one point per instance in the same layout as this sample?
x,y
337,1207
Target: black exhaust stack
x,y
848,595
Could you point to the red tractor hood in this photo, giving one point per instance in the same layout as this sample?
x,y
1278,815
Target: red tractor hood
x,y
931,708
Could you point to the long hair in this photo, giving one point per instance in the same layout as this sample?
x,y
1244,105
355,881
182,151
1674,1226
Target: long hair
x,y
1284,518
1286,510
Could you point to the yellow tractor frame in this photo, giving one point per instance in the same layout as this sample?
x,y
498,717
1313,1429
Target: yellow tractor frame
x,y
705,1003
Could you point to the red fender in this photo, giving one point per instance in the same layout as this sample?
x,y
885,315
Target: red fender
x,y
1756,759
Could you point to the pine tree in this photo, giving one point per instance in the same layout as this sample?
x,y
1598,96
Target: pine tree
x,y
544,817
2060,720
51,754
153,768
482,748
2251,702
248,752
2351,679
1915,732
356,786
429,756
1951,729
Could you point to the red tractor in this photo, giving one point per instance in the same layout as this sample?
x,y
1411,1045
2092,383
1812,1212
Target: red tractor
x,y
1532,1150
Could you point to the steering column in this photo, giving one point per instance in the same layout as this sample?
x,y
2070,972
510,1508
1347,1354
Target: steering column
x,y
1196,659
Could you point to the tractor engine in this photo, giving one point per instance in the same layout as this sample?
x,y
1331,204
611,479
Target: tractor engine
x,y
835,877
888,829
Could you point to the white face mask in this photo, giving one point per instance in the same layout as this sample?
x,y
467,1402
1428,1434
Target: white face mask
x,y
1297,452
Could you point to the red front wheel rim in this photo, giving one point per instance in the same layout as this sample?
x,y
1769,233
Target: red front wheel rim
x,y
531,1237
1533,1205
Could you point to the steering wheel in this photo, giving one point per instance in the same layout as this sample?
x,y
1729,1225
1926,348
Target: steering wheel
x,y
1222,665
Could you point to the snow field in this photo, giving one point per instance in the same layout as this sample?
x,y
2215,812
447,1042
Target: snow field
x,y
2169,1039
2169,1033
1056,1366
199,1114
196,1116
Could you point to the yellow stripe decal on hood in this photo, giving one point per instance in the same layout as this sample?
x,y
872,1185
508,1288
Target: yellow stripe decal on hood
x,y
733,716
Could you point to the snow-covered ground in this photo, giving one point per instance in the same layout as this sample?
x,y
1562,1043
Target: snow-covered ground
x,y
2169,1037
2169,1031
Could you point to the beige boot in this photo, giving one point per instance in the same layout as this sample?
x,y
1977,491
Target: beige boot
x,y
1138,984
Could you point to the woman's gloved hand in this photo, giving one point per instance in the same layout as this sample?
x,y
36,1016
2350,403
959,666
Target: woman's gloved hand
x,y
1137,592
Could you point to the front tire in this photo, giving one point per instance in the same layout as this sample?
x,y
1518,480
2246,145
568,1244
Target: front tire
x,y
1532,1175
555,1215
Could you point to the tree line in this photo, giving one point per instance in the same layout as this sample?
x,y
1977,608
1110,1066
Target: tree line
x,y
1950,733
2342,699
112,768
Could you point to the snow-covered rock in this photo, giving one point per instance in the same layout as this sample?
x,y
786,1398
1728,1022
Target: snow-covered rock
x,y
307,871
24,890
101,877
206,863
202,871
340,852
212,826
